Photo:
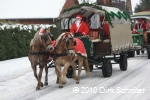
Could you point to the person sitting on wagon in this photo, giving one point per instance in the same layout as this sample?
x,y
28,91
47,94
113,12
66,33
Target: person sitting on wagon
x,y
79,28
148,25
145,33
104,30
140,25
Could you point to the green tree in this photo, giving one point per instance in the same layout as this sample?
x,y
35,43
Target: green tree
x,y
142,6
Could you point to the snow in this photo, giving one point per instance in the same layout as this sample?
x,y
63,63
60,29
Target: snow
x,y
17,82
25,27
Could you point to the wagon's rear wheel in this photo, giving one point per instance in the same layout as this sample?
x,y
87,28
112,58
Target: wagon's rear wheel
x,y
91,68
69,72
123,62
148,54
148,51
107,68
142,51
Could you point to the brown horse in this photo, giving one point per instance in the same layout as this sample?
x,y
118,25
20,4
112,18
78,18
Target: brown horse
x,y
64,53
40,45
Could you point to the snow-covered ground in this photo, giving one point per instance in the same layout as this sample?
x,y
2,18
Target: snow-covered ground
x,y
18,83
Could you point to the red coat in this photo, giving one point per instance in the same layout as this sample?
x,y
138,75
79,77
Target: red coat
x,y
140,26
106,29
83,28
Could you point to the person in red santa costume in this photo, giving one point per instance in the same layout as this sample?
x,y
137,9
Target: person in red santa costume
x,y
140,25
79,28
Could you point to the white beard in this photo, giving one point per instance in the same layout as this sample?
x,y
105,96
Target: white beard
x,y
78,23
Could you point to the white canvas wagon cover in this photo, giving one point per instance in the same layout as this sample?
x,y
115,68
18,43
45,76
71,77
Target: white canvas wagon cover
x,y
119,22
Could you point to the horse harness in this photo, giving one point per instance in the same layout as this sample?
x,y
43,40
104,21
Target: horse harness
x,y
64,53
43,52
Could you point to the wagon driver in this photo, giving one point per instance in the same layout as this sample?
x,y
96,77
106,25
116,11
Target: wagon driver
x,y
79,28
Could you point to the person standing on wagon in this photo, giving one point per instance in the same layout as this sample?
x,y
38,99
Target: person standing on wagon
x,y
79,28
140,25
146,32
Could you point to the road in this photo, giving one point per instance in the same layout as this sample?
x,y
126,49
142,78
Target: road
x,y
18,83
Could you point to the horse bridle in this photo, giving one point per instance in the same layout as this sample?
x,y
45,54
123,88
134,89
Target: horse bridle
x,y
67,42
46,37
64,53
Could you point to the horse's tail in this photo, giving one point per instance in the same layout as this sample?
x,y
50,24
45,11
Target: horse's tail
x,y
86,67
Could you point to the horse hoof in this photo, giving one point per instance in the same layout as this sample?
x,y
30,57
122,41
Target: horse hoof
x,y
77,82
37,88
45,83
60,86
64,82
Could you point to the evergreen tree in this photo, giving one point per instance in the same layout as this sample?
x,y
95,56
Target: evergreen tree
x,y
144,5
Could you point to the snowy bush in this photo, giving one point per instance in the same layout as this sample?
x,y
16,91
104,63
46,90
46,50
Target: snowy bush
x,y
15,38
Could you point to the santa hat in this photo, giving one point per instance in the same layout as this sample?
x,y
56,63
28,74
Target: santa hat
x,y
79,16
140,20
42,31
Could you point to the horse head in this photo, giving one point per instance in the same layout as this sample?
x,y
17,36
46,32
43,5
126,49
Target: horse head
x,y
67,43
70,43
46,40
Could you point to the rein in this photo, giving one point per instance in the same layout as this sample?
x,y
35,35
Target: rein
x,y
38,53
60,54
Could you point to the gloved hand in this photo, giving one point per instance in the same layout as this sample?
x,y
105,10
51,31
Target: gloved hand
x,y
72,34
83,34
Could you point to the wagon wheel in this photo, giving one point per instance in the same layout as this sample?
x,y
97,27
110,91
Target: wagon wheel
x,y
142,51
69,72
131,53
138,52
123,62
148,52
91,68
107,68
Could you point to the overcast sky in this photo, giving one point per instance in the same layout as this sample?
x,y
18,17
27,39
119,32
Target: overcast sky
x,y
134,2
24,9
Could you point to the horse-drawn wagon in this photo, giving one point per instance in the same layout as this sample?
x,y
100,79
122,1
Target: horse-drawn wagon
x,y
100,50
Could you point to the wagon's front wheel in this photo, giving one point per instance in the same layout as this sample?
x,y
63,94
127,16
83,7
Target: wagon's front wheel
x,y
69,72
138,52
107,68
123,62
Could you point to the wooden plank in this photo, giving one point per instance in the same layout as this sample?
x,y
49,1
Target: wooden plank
x,y
102,48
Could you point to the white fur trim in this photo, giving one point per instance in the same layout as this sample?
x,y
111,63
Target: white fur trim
x,y
40,32
79,17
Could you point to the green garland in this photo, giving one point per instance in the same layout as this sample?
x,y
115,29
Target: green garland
x,y
109,15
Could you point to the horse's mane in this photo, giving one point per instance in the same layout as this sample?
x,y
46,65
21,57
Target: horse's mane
x,y
59,38
36,39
